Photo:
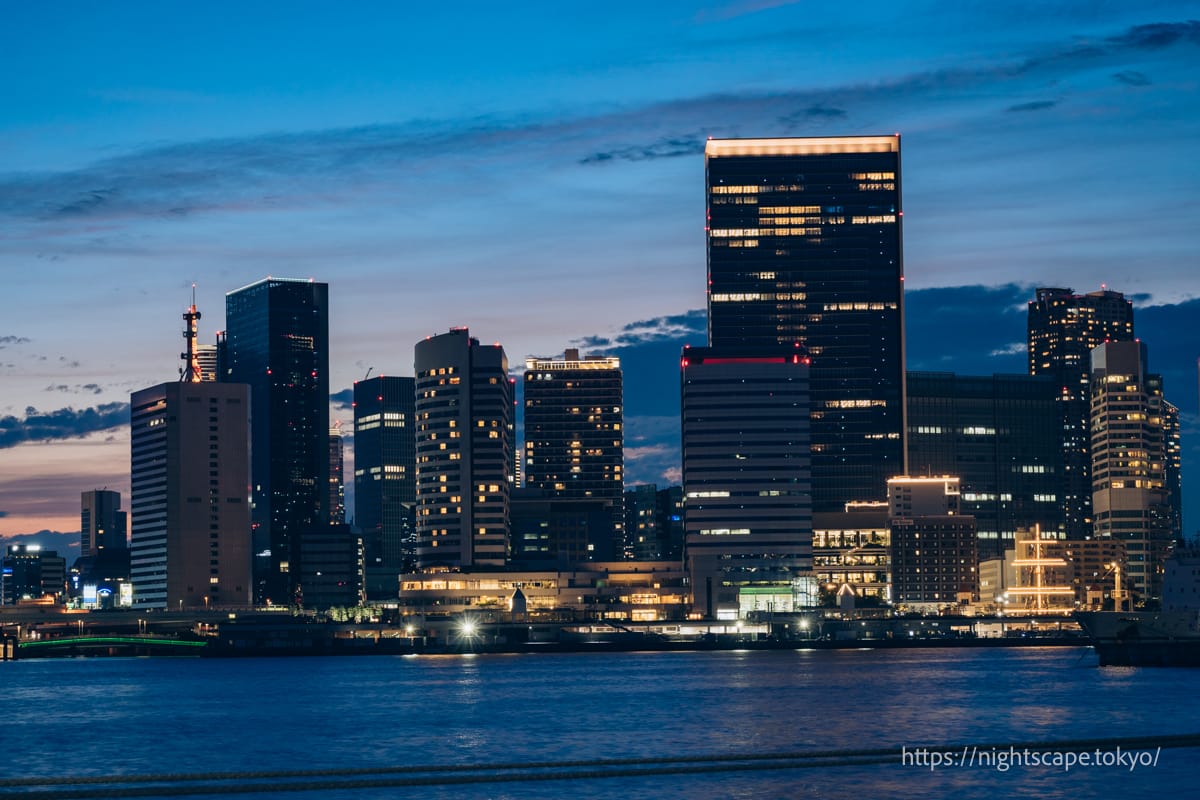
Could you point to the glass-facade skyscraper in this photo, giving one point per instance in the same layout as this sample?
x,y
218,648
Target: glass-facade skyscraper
x,y
804,245
277,341
385,471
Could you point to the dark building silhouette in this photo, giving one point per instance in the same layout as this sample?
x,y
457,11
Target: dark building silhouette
x,y
654,528
464,411
385,478
102,523
804,245
337,478
559,530
28,572
1000,435
574,436
277,341
1064,327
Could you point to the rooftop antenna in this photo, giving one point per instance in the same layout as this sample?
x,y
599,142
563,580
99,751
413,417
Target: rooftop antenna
x,y
191,374
368,373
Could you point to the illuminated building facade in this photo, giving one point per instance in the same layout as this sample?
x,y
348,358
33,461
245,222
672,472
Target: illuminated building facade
x,y
189,509
852,548
277,341
747,485
1000,434
337,484
1064,327
574,435
654,523
804,245
385,478
934,553
1130,499
464,410
27,572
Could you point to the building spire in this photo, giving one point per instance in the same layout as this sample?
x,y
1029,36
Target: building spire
x,y
191,373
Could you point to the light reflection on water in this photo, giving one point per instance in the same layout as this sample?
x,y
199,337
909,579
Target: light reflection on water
x,y
189,715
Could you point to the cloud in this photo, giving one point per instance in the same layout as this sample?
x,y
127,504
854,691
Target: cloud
x,y
59,541
3,514
816,111
688,325
1132,77
1036,105
343,399
5,341
1011,349
65,423
671,147
78,388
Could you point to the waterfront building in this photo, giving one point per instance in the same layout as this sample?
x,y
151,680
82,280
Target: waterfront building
x,y
385,478
1064,327
934,553
464,406
747,484
851,551
29,573
804,245
1130,498
1000,435
277,341
574,434
615,591
189,509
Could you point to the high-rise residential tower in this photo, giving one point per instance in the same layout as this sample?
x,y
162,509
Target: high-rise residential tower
x,y
385,476
747,488
1130,442
464,409
277,341
1064,327
574,437
804,245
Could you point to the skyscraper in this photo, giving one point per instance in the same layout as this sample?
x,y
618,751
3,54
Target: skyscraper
x,y
277,341
747,487
1064,327
190,467
102,522
464,407
804,245
574,437
337,485
385,477
1130,442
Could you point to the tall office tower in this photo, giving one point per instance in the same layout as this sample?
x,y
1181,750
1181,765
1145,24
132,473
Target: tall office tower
x,y
746,482
804,245
464,409
654,523
277,341
933,547
101,521
1000,435
337,484
190,514
1174,469
385,478
574,436
1130,498
1064,327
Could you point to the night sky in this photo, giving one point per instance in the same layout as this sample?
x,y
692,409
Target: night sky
x,y
537,174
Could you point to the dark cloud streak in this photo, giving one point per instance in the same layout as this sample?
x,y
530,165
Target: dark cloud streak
x,y
65,423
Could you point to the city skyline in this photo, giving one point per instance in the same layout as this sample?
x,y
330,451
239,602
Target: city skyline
x,y
1091,116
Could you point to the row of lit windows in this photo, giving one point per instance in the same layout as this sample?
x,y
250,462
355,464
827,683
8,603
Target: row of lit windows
x,y
744,297
859,307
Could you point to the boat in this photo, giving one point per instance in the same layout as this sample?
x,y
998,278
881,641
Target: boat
x,y
1144,638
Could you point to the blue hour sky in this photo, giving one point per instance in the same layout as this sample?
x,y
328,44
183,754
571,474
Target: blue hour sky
x,y
535,171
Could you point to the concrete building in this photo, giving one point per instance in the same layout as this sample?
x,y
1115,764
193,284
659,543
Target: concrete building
x,y
1130,498
934,551
189,507
547,528
574,434
852,549
746,472
654,528
464,408
29,574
